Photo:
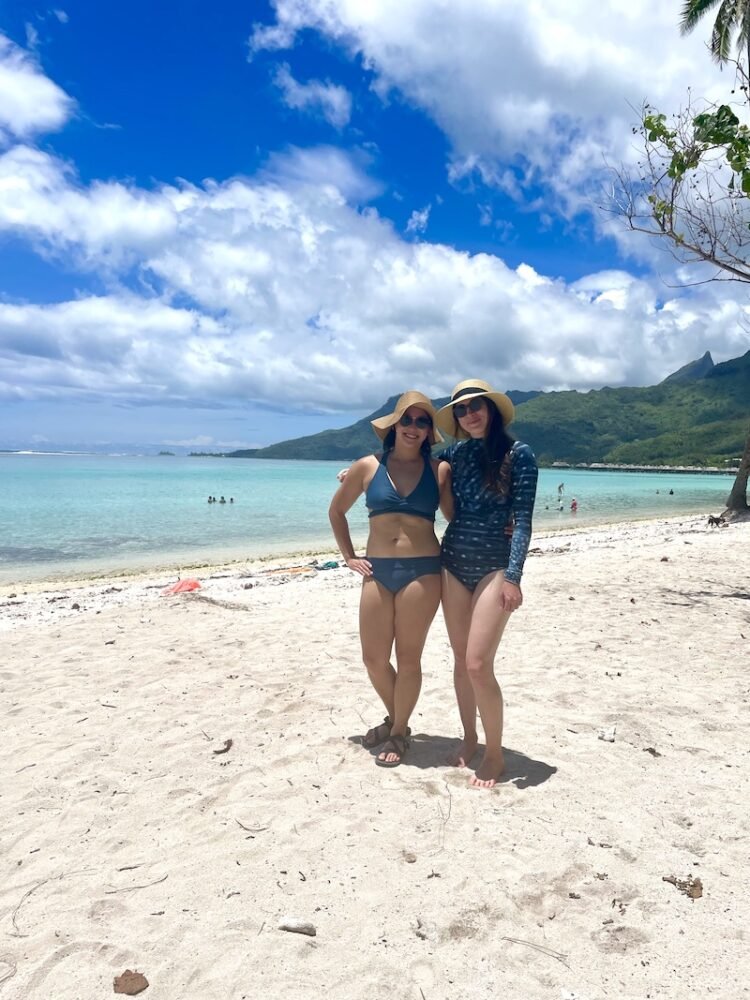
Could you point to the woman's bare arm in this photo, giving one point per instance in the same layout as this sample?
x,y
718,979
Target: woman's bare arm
x,y
346,495
445,484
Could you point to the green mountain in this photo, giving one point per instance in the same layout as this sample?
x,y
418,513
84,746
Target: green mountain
x,y
347,443
692,370
697,416
689,421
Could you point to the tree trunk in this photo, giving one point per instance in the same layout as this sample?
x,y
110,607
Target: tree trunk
x,y
737,499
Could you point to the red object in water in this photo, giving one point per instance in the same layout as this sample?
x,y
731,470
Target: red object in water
x,y
181,587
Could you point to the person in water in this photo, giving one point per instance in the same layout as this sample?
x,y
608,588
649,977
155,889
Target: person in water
x,y
401,567
494,481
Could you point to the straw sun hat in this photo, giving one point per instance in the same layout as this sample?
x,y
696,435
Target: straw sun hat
x,y
465,391
381,425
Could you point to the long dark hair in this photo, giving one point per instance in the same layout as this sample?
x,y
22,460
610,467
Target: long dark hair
x,y
389,443
496,453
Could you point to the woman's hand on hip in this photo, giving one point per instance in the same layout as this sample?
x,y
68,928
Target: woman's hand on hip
x,y
511,597
361,566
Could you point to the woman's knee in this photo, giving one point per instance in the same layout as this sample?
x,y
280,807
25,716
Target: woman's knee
x,y
480,670
375,664
409,663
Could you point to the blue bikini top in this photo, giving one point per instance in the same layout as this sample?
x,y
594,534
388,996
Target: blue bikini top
x,y
382,497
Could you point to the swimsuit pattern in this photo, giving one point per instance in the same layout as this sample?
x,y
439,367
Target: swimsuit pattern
x,y
475,543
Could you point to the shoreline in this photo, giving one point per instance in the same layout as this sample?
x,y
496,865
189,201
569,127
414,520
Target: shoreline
x,y
44,599
32,574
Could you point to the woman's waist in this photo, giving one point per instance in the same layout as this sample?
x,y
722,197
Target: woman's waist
x,y
488,517
477,531
396,536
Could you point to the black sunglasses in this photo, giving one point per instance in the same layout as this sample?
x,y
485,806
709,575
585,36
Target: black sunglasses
x,y
473,406
421,422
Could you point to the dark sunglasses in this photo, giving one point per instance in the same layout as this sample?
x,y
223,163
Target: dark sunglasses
x,y
421,422
473,406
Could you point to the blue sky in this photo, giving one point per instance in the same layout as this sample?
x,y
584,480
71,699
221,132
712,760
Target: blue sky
x,y
224,225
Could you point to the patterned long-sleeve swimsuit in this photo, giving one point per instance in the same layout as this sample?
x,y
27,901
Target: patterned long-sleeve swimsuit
x,y
475,543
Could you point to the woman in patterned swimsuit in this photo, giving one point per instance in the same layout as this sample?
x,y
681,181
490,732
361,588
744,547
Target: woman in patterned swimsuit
x,y
493,481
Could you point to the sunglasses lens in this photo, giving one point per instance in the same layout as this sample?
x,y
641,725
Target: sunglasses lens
x,y
461,409
422,422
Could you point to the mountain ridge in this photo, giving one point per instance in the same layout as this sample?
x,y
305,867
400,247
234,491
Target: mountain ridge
x,y
696,416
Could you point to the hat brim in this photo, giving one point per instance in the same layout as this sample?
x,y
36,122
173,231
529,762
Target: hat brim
x,y
381,425
450,426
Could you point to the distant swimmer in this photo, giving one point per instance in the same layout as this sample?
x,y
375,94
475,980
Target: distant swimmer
x,y
561,489
231,499
573,505
210,499
222,500
671,493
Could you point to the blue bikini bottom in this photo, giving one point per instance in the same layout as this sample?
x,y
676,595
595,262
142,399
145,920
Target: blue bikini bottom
x,y
394,574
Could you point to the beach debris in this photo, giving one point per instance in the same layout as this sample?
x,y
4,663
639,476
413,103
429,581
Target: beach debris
x,y
664,559
692,887
330,564
607,733
181,587
559,955
248,586
652,750
226,748
251,829
409,857
110,642
601,875
76,606
574,895
296,926
130,983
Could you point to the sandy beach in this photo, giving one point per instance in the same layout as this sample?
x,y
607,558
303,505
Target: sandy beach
x,y
613,867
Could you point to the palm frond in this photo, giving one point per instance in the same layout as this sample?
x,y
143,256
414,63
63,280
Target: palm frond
x,y
693,11
724,27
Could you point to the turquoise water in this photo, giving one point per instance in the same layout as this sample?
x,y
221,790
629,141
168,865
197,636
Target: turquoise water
x,y
70,515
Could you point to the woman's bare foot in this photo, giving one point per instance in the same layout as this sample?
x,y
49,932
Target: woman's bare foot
x,y
489,771
461,756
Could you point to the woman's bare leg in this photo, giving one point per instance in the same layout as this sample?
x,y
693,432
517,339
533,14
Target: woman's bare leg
x,y
457,601
415,604
487,622
376,631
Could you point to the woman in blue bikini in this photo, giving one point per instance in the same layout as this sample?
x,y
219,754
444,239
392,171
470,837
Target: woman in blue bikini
x,y
493,485
401,568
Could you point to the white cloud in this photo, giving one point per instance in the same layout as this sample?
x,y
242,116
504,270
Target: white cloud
x,y
525,90
418,220
332,102
29,101
61,16
297,293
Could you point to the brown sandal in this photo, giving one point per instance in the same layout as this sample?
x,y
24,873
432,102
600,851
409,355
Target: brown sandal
x,y
377,735
395,744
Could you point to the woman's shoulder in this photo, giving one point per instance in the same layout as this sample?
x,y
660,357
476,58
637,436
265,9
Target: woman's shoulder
x,y
522,452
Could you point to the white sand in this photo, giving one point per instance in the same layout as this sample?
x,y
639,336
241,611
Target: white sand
x,y
127,842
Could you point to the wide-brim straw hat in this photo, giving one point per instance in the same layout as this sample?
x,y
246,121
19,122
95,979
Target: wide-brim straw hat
x,y
465,391
381,425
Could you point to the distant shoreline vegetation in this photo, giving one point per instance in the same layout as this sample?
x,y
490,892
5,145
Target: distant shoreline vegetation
x,y
710,470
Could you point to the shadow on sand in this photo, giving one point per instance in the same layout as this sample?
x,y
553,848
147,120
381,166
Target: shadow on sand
x,y
427,751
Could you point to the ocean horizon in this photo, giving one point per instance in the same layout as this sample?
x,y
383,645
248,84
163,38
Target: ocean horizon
x,y
72,515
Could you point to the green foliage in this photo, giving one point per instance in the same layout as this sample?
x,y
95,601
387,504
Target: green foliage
x,y
695,419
